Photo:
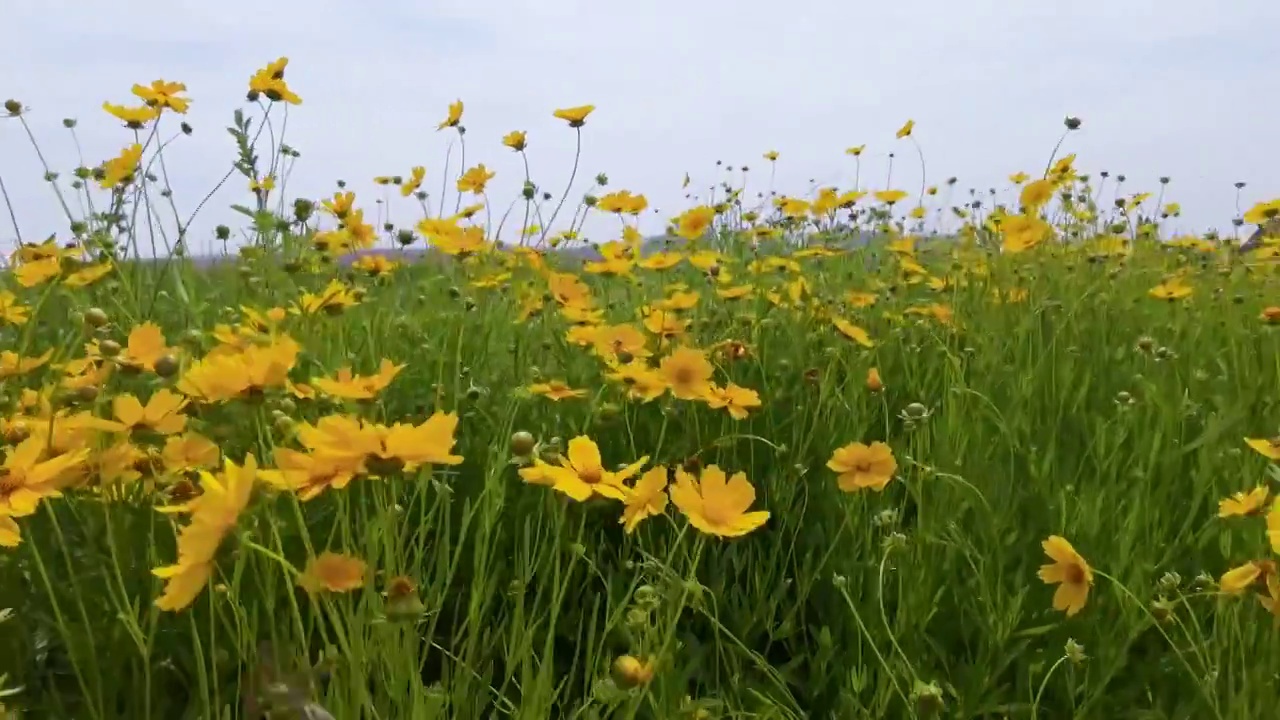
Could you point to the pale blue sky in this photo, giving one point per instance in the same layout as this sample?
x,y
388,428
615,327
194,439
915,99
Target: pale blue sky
x,y
1164,88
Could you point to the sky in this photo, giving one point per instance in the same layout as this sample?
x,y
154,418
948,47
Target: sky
x,y
1172,88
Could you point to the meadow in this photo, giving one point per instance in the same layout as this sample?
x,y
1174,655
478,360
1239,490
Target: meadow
x,y
849,453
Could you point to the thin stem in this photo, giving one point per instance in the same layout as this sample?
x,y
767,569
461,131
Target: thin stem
x,y
577,155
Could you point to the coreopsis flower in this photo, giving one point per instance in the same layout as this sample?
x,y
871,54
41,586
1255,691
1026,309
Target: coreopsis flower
x,y
861,467
646,499
454,116
29,474
694,223
1172,289
269,81
161,95
575,116
581,474
162,413
134,118
736,400
475,179
716,504
516,140
1069,572
1267,447
1244,503
853,332
349,386
120,170
555,390
214,514
687,373
416,175
1035,195
12,311
333,572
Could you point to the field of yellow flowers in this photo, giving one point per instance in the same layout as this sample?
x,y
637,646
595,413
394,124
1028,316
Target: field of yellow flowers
x,y
806,457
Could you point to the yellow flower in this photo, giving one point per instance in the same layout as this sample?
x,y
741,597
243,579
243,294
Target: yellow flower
x,y
1273,527
1173,289
161,414
454,117
163,94
475,179
693,223
736,400
335,298
874,383
134,118
37,273
687,372
1239,579
310,475
146,345
621,202
28,475
575,116
189,452
1023,232
581,474
647,499
332,572
890,197
120,169
771,156
1268,448
1242,503
222,377
358,387
10,533
340,205
555,390
269,81
516,140
375,265
1263,212
214,513
906,129
412,446
12,364
1069,572
853,332
860,466
643,382
1036,195
12,311
416,175
717,505
855,151
88,275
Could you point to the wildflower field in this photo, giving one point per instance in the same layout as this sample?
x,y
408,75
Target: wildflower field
x,y
852,452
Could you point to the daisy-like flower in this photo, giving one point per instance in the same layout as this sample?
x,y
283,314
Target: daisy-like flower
x,y
581,474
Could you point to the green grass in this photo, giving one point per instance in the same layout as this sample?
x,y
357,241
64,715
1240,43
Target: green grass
x,y
1088,410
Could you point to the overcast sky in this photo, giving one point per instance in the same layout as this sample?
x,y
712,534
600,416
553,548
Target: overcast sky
x,y
1171,87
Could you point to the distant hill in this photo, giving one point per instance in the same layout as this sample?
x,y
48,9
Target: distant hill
x,y
653,244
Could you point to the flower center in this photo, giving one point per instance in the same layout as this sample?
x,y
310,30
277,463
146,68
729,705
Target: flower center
x,y
1074,574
